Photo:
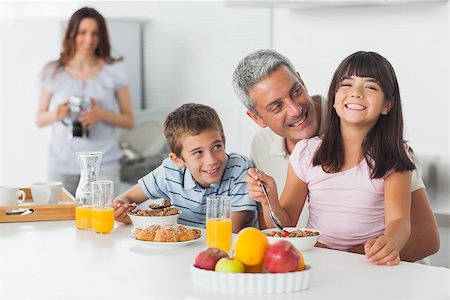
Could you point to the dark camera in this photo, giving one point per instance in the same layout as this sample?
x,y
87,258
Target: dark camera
x,y
78,105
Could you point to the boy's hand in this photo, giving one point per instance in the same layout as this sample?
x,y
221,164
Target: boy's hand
x,y
255,191
382,251
121,208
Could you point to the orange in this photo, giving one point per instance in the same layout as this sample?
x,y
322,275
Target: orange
x,y
301,262
250,246
254,269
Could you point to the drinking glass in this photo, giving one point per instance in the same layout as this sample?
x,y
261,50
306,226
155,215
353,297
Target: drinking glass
x,y
102,210
218,222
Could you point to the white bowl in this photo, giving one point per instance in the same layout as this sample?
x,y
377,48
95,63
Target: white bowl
x,y
301,243
252,283
145,221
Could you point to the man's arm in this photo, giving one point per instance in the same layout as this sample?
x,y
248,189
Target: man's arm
x,y
240,218
424,239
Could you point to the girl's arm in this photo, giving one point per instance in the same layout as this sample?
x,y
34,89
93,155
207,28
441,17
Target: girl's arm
x,y
397,204
44,116
124,119
291,202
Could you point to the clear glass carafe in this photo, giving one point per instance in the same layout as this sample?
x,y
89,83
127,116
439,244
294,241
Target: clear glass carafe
x,y
90,165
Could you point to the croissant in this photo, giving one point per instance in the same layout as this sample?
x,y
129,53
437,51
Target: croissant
x,y
166,234
147,234
197,233
184,234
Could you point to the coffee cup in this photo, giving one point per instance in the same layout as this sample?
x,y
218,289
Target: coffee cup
x,y
46,192
11,195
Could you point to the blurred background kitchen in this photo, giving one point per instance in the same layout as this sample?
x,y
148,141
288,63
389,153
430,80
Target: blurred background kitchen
x,y
179,52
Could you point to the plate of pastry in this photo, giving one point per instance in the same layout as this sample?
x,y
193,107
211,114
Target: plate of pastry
x,y
166,236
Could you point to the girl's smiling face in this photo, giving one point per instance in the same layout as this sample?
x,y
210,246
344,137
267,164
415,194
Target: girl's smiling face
x,y
360,101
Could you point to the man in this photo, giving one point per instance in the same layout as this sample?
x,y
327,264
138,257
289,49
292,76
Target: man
x,y
276,97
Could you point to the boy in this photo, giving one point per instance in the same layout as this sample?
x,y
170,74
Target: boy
x,y
197,167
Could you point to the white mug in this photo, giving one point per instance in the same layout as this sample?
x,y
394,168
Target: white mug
x,y
46,192
11,195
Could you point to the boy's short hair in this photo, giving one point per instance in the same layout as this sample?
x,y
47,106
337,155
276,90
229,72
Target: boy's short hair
x,y
192,119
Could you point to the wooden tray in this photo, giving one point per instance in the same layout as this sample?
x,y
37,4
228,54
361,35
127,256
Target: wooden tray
x,y
65,210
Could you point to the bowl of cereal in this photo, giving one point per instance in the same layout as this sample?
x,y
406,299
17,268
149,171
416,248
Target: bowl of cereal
x,y
155,215
302,238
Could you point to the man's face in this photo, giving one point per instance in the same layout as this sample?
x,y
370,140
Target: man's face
x,y
204,156
284,105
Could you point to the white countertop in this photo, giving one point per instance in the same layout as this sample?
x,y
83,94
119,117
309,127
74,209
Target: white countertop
x,y
53,260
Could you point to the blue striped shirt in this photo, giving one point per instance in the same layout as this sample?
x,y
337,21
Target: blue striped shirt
x,y
171,182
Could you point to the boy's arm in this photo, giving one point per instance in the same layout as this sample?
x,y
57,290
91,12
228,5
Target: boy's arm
x,y
244,210
397,204
127,202
240,218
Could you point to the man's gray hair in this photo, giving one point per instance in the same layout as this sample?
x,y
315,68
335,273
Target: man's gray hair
x,y
253,68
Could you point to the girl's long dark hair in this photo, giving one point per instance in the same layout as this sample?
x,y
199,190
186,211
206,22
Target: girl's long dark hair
x,y
69,45
383,147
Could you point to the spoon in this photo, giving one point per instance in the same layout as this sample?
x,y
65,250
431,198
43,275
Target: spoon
x,y
273,217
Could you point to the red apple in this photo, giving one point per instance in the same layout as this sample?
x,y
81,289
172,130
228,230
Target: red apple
x,y
208,258
281,257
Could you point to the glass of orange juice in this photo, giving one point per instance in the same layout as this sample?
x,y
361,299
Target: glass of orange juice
x,y
102,209
83,217
218,222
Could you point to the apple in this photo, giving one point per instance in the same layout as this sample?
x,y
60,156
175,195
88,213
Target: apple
x,y
229,265
281,257
208,258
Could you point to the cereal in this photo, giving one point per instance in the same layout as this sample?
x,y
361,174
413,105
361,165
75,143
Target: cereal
x,y
293,234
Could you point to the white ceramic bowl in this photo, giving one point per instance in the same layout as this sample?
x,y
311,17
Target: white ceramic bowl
x,y
144,221
301,243
252,283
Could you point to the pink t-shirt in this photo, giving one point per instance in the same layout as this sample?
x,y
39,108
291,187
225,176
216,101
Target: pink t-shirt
x,y
347,207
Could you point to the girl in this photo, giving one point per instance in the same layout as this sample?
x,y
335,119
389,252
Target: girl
x,y
85,69
356,177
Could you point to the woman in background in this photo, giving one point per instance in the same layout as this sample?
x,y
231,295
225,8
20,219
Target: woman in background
x,y
84,70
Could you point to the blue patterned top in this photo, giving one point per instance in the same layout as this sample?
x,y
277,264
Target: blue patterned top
x,y
171,182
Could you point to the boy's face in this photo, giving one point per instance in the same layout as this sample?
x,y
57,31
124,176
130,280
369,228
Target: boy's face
x,y
204,156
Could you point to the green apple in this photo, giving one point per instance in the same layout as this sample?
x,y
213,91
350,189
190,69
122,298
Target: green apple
x,y
229,265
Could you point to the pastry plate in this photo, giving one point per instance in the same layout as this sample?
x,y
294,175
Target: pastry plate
x,y
252,283
164,245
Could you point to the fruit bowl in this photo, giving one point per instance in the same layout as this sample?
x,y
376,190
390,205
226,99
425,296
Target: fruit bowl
x,y
301,243
146,221
252,283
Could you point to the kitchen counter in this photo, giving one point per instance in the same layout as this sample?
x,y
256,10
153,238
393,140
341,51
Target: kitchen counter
x,y
53,260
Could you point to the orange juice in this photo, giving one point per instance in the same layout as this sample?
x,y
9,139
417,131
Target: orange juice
x,y
103,219
83,217
218,233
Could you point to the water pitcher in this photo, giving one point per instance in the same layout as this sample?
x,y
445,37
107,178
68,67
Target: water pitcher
x,y
89,164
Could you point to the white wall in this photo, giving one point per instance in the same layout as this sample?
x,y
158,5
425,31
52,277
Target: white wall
x,y
192,51
414,38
